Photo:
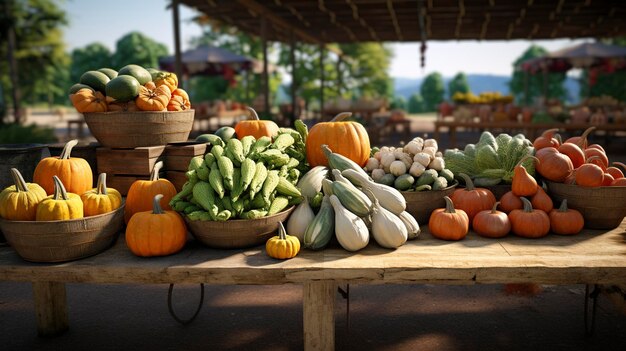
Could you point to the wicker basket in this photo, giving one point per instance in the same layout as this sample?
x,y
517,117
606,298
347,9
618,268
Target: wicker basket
x,y
420,204
238,233
141,128
59,241
602,207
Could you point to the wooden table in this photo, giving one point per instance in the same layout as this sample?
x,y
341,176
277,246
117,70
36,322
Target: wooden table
x,y
591,257
531,130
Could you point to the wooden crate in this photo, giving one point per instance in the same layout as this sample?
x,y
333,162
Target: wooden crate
x,y
138,161
177,156
177,178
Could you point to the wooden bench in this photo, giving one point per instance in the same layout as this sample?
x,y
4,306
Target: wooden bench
x,y
591,257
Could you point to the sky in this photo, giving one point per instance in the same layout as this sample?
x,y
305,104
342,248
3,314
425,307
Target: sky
x,y
91,22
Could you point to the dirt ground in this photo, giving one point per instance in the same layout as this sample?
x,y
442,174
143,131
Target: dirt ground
x,y
395,317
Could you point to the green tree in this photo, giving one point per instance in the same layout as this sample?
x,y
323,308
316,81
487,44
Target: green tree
x,y
136,48
399,102
526,86
416,103
38,46
91,57
458,84
370,68
432,91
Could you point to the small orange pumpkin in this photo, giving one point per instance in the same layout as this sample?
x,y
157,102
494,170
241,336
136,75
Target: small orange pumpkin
x,y
581,140
128,106
74,172
87,100
347,138
255,127
615,171
153,99
448,223
589,175
179,101
546,139
156,232
141,193
566,221
553,165
492,223
510,202
597,157
529,223
101,199
574,152
619,182
472,200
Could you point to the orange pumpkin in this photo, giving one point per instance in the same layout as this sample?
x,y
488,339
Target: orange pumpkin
x,y
87,100
141,193
156,232
448,223
510,202
128,106
615,171
565,221
597,157
179,101
574,152
619,182
529,223
608,179
153,99
589,175
255,127
472,200
491,223
553,165
581,140
347,138
166,78
546,139
542,201
74,172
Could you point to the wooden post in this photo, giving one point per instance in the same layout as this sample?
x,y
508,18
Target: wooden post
x,y
178,64
50,308
319,315
322,81
266,85
292,59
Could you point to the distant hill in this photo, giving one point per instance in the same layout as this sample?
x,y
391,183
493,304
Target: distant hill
x,y
478,83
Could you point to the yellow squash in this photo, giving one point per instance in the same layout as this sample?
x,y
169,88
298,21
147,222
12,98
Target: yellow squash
x,y
101,199
19,202
61,205
282,246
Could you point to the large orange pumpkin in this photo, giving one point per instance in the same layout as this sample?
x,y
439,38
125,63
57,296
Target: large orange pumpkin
x,y
179,101
141,193
448,223
347,138
255,127
74,172
87,100
472,200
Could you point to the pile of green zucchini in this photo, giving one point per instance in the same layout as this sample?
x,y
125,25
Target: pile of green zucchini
x,y
245,179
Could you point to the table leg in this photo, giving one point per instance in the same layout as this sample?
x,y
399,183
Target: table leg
x,y
319,315
50,308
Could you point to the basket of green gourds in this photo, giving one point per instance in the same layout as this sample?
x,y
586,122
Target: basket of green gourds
x,y
236,194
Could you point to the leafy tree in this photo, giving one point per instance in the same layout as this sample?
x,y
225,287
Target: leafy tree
x,y
92,57
370,69
39,45
534,83
399,102
432,91
458,84
416,103
136,48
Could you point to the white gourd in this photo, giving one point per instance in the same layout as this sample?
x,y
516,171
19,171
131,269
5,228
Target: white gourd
x,y
388,197
377,174
311,183
397,168
387,158
300,219
407,159
422,158
416,169
377,155
383,150
430,151
413,147
327,187
398,153
437,164
412,227
350,230
431,143
387,229
371,164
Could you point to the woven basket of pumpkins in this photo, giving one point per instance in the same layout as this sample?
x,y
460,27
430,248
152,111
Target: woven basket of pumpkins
x,y
133,107
73,222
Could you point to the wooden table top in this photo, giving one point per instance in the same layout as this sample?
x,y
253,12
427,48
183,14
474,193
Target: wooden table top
x,y
592,256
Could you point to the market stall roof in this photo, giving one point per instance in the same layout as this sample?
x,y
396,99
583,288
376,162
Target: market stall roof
x,y
348,21
583,55
207,60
